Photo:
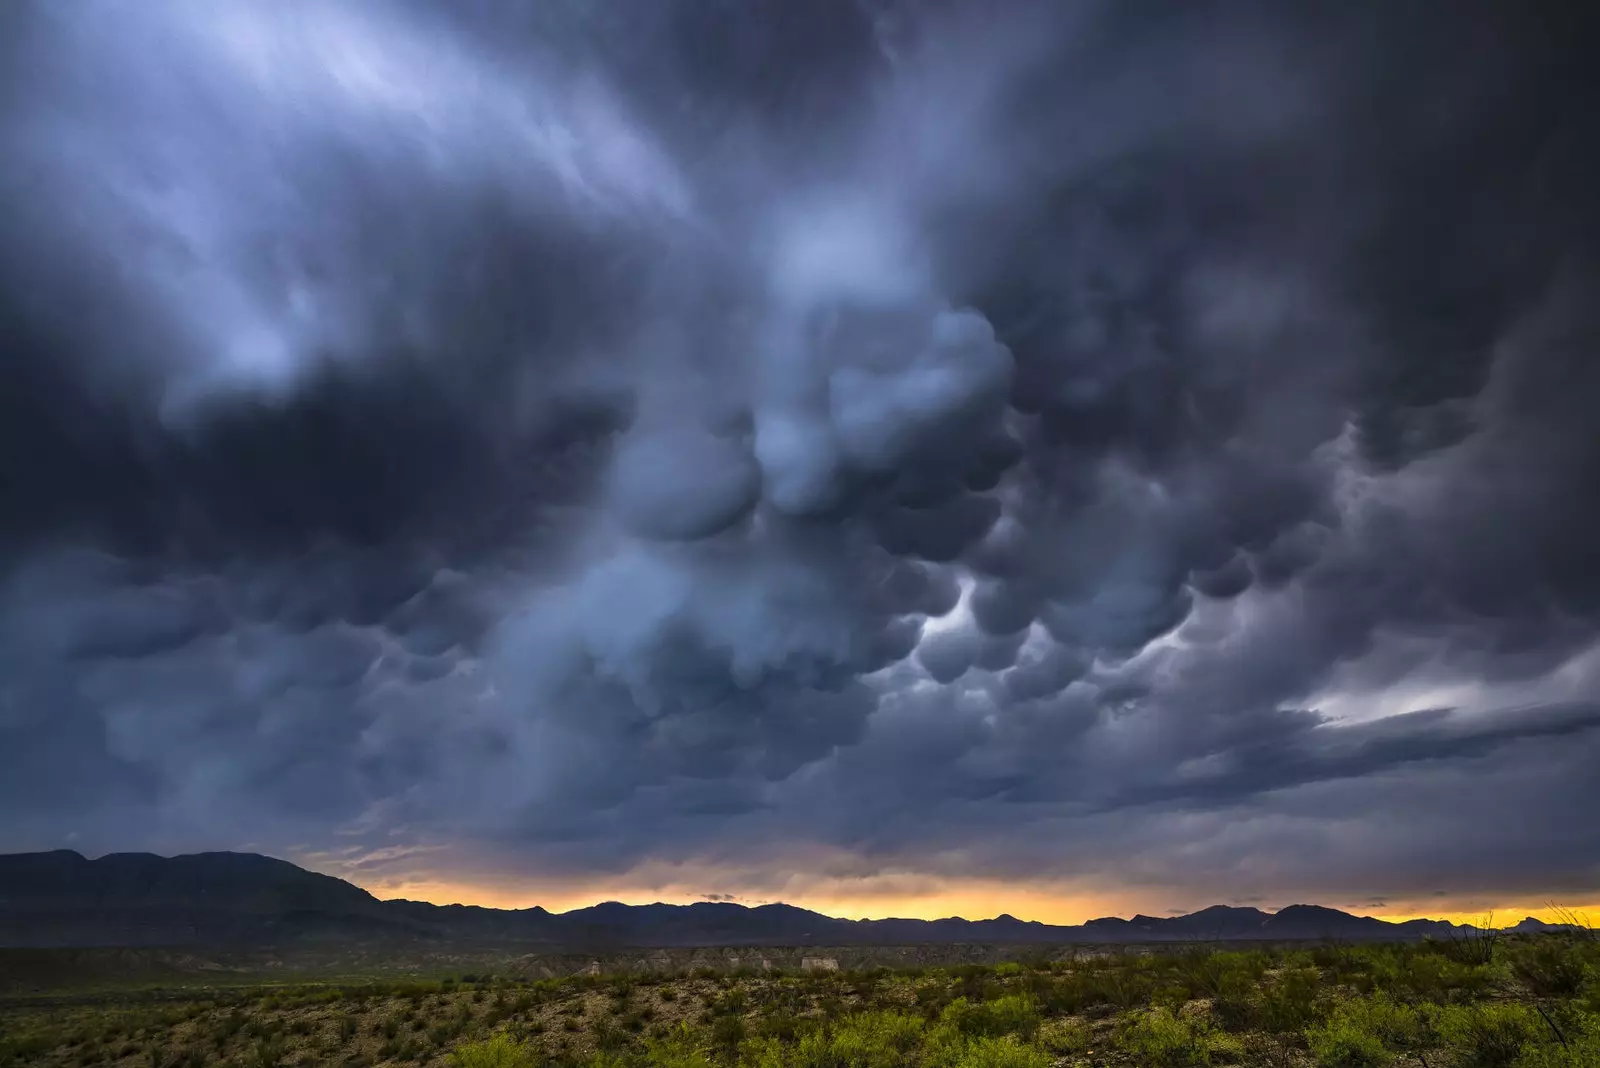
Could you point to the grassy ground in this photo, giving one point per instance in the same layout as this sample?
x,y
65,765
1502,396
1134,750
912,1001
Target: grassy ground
x,y
1531,1002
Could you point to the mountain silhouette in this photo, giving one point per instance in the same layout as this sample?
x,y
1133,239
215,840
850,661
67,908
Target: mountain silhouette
x,y
138,899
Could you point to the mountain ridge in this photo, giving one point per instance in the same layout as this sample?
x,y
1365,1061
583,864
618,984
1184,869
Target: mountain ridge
x,y
61,898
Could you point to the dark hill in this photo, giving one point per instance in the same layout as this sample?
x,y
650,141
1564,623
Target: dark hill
x,y
138,899
63,898
246,881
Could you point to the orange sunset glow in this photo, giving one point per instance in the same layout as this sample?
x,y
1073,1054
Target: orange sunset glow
x,y
911,896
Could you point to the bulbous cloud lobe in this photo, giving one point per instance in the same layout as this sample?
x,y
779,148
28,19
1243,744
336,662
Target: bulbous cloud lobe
x,y
595,434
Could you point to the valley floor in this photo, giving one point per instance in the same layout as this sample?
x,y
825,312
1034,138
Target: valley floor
x,y
1526,1002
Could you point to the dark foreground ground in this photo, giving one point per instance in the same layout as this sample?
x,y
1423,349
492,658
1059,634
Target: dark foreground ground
x,y
1524,1002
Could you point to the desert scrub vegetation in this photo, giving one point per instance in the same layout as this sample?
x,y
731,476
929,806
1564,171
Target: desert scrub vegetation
x,y
1507,1002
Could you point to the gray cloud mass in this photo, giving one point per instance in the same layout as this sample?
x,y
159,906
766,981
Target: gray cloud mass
x,y
1090,440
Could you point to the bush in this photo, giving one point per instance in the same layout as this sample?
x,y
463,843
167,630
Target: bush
x,y
1342,1043
1221,975
1173,996
1064,1037
1235,1014
678,1049
727,1033
609,1035
1064,996
1399,1027
1550,967
268,1053
865,1040
1162,1040
1001,1053
1120,987
1290,1004
1470,945
496,1052
782,1025
1014,1014
1424,974
1581,1051
1489,1036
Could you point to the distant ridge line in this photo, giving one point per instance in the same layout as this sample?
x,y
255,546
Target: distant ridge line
x,y
61,898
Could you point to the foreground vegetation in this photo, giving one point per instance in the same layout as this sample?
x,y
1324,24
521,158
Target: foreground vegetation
x,y
1481,1002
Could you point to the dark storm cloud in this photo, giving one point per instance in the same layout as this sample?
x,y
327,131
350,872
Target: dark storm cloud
x,y
608,432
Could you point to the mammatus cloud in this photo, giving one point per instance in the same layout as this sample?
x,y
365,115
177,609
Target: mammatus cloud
x,y
1103,443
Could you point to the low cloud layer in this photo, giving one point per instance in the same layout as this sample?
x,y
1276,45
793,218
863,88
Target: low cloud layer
x,y
1110,443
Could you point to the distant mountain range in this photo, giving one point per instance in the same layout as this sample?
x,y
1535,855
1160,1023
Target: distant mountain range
x,y
138,899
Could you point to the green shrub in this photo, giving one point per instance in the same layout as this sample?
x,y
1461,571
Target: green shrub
x,y
1421,973
1171,996
782,1025
609,1036
727,1033
1582,1050
1290,1003
1343,1043
1235,1014
1399,1027
1221,975
1489,1036
1064,1037
1164,1040
268,1053
1004,1052
1550,967
1013,1014
1119,987
864,1040
1066,995
501,1051
945,1047
23,1048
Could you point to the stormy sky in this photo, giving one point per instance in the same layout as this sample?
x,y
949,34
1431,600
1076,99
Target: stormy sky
x,y
863,452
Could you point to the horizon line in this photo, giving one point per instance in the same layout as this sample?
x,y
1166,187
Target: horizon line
x,y
1482,919
1521,914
